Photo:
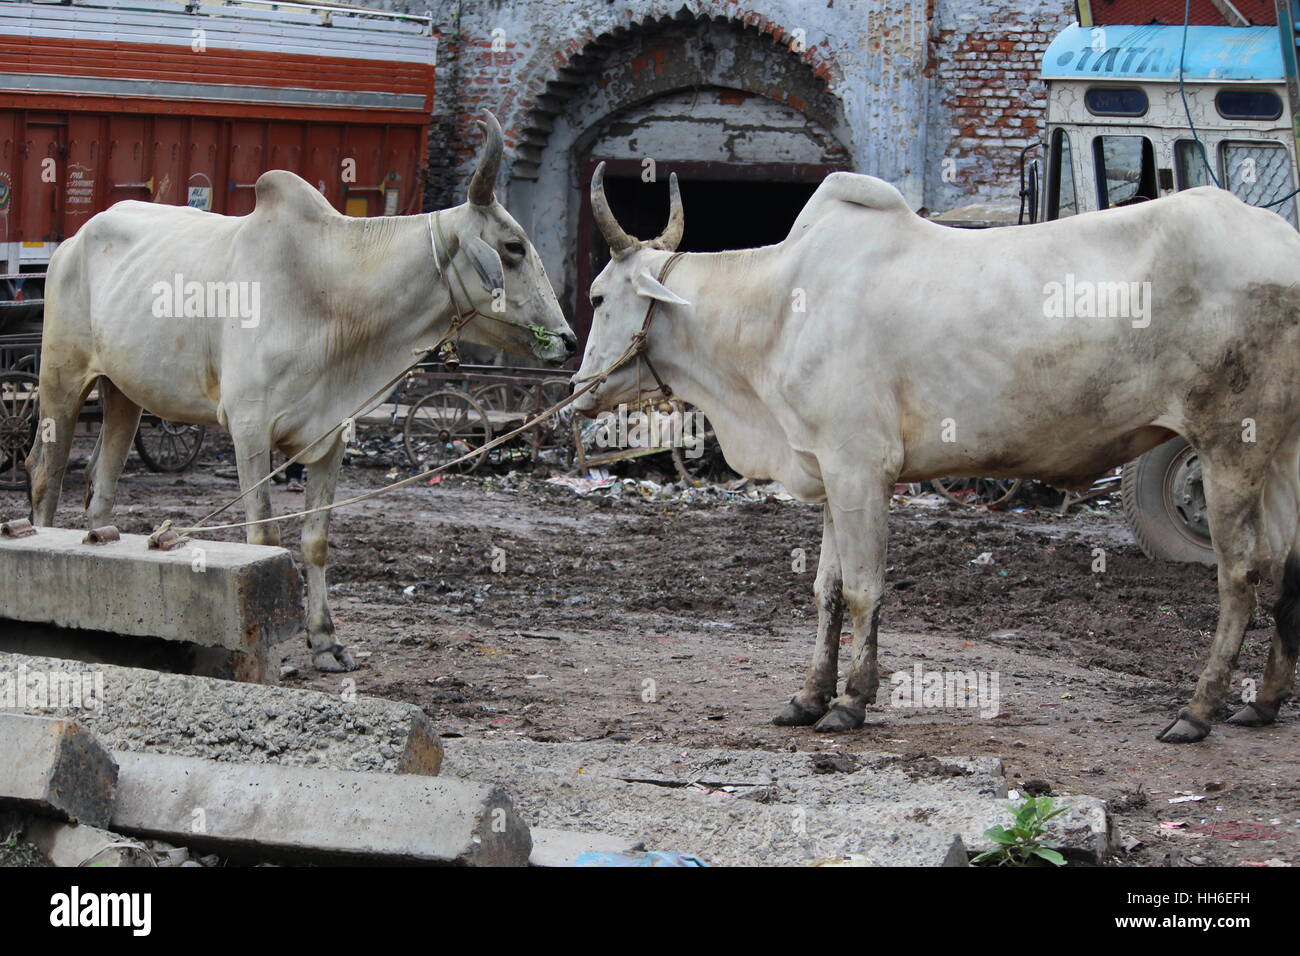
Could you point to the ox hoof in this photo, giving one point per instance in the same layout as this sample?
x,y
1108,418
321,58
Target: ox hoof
x,y
1254,715
838,719
797,715
333,660
1186,728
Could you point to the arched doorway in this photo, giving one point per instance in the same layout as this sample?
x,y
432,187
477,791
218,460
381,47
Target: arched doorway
x,y
746,124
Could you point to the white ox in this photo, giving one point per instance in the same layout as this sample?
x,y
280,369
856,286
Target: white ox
x,y
342,302
926,351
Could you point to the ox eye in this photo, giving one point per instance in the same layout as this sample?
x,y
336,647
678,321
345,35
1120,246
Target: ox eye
x,y
515,248
596,301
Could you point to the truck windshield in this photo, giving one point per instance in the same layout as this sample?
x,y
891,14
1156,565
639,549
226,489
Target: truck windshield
x,y
1126,170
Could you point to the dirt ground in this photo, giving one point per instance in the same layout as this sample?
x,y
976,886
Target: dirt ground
x,y
686,622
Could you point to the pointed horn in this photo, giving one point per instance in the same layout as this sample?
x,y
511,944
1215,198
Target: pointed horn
x,y
672,235
484,181
619,241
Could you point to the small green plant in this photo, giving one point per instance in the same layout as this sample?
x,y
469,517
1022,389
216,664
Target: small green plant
x,y
1022,844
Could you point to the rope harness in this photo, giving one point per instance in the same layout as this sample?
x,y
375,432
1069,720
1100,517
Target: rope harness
x,y
637,349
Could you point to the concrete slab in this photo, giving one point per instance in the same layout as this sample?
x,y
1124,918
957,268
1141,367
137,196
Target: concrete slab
x,y
71,844
770,776
563,847
720,828
295,813
1081,833
184,715
235,600
55,768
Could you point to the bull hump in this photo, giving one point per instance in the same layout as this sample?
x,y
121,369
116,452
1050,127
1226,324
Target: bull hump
x,y
279,189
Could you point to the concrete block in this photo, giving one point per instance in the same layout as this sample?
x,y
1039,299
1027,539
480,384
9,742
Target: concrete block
x,y
553,847
235,602
293,813
71,844
772,776
1082,832
55,768
720,828
184,715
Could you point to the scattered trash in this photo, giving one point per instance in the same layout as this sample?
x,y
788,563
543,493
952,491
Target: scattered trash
x,y
985,558
1190,798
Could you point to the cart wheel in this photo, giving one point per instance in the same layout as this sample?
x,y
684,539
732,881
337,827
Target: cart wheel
x,y
168,446
507,400
978,492
18,419
553,433
501,397
710,463
444,425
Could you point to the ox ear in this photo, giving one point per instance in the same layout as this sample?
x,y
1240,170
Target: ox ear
x,y
650,287
487,263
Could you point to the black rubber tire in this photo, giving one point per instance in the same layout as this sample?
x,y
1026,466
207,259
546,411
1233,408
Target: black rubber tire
x,y
1160,531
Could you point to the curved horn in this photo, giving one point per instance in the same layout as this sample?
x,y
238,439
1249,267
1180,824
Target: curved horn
x,y
619,241
489,162
672,234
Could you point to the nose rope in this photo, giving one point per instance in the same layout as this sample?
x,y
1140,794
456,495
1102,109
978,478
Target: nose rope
x,y
638,347
462,319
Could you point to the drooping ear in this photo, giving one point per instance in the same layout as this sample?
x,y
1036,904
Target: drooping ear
x,y
650,287
486,263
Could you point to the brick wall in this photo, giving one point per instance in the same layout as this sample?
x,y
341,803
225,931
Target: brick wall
x,y
987,103
937,96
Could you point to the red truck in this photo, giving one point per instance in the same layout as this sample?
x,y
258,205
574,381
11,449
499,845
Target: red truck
x,y
188,103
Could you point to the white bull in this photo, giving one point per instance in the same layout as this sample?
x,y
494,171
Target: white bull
x,y
871,347
276,326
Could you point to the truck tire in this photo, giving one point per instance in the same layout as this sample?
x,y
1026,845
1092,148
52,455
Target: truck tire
x,y
1164,504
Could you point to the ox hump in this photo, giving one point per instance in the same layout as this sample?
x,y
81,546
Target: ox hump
x,y
867,191
862,191
279,190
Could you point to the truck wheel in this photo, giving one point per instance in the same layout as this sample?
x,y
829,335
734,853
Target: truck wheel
x,y
1164,504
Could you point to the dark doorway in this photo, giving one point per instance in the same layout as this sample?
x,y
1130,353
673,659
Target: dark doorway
x,y
727,207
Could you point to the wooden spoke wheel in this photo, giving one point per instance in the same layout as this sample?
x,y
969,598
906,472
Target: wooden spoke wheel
x,y
18,420
444,425
168,446
978,492
554,433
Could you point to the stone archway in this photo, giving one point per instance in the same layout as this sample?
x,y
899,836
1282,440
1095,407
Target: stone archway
x,y
714,98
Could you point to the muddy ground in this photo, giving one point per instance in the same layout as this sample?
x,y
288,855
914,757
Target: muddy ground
x,y
686,622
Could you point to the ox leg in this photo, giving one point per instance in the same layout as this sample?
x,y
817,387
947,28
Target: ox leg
x,y
322,477
861,536
1282,513
121,419
253,462
1233,497
811,703
61,402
